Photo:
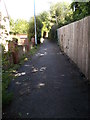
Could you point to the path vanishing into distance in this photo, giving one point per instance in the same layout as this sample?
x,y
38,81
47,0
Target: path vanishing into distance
x,y
48,85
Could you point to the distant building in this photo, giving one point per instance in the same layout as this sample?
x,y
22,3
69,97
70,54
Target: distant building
x,y
23,39
4,25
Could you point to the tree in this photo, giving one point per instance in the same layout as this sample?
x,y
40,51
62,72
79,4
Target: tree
x,y
31,30
60,15
80,10
53,32
12,25
45,19
19,26
58,12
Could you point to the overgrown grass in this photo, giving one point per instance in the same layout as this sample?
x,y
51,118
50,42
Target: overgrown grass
x,y
8,75
34,50
6,97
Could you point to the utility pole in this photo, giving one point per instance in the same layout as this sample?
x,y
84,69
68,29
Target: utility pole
x,y
35,24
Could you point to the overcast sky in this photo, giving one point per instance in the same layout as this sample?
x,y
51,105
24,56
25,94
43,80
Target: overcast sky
x,y
24,9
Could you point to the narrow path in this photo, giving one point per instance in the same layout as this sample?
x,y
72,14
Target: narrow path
x,y
48,86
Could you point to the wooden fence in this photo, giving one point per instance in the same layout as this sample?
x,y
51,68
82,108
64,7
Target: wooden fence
x,y
74,40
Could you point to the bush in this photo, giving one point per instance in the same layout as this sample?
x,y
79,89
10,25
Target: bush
x,y
53,33
82,9
7,60
31,31
6,97
7,76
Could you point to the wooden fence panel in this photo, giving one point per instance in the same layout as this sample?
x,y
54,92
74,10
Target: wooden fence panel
x,y
75,42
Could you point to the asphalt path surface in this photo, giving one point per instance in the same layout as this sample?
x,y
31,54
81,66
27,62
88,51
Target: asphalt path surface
x,y
48,85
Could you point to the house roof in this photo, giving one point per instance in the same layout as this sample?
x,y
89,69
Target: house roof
x,y
22,36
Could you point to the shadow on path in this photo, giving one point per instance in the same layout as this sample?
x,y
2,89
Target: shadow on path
x,y
48,86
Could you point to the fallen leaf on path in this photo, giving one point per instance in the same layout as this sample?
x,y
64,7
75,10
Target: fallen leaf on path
x,y
35,70
27,113
63,75
42,69
18,83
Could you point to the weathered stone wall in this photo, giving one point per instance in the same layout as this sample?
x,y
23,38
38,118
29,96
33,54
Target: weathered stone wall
x,y
74,40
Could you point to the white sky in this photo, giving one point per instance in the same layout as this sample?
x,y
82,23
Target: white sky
x,y
24,9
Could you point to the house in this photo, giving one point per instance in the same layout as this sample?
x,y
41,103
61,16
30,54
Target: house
x,y
4,25
23,39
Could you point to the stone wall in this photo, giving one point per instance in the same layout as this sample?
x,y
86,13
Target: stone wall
x,y
74,40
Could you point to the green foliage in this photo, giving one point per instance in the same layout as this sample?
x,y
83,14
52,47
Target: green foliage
x,y
42,25
82,9
59,11
61,14
12,25
19,26
6,79
6,96
44,17
5,60
53,33
31,30
34,50
8,75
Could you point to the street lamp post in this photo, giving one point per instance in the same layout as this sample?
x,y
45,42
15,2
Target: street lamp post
x,y
35,24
